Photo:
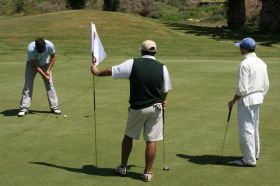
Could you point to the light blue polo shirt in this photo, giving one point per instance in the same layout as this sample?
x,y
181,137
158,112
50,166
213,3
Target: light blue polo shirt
x,y
43,58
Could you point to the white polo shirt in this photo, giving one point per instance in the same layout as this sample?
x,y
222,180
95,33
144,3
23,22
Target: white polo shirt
x,y
124,69
42,58
252,80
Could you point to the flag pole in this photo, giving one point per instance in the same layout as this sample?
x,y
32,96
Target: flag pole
x,y
94,112
97,55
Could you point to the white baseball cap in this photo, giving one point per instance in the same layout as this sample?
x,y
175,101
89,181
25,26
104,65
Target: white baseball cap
x,y
149,46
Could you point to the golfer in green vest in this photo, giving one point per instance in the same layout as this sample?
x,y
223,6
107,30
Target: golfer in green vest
x,y
149,85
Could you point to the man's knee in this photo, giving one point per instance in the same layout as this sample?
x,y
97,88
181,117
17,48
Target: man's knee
x,y
151,143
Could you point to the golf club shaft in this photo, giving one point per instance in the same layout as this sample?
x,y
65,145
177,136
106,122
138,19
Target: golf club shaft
x,y
228,119
163,150
229,113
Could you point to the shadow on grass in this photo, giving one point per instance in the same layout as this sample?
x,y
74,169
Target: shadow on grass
x,y
14,112
224,33
10,112
92,170
209,159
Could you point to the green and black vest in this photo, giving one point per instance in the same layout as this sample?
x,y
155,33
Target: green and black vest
x,y
146,82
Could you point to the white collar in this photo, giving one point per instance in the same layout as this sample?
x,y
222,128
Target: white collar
x,y
251,54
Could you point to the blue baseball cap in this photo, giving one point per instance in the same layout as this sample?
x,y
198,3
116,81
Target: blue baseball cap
x,y
247,43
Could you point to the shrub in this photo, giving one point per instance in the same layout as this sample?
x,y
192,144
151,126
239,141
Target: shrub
x,y
147,7
19,6
3,7
25,7
51,6
130,6
16,6
94,4
166,12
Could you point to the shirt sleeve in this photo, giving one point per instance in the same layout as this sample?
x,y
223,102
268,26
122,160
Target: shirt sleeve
x,y
242,87
51,48
166,80
122,70
266,82
31,54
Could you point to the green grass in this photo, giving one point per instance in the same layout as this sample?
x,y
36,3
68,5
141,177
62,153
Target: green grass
x,y
41,149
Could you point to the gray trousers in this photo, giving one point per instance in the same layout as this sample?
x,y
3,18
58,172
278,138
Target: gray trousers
x,y
30,73
248,123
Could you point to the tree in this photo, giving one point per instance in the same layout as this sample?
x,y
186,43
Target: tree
x,y
111,5
76,4
236,14
270,16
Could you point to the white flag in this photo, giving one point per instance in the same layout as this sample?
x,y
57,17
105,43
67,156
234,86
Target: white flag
x,y
98,52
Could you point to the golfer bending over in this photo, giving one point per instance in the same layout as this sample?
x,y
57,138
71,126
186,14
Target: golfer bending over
x,y
149,85
41,58
252,85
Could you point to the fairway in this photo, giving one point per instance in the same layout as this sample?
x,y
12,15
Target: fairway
x,y
41,149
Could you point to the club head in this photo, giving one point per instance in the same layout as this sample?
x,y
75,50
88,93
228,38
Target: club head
x,y
166,168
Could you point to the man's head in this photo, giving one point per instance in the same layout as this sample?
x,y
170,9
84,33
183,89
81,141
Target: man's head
x,y
40,45
246,45
148,47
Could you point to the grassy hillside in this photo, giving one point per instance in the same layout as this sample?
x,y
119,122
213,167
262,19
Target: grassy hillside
x,y
120,33
41,149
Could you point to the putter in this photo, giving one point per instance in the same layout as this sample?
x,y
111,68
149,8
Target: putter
x,y
165,167
222,149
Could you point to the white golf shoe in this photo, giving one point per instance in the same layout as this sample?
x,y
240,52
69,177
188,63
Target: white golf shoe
x,y
147,177
56,111
242,163
21,113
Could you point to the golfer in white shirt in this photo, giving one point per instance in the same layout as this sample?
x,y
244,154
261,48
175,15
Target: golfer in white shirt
x,y
41,59
251,87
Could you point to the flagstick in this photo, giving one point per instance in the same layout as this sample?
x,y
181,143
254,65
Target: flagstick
x,y
94,114
97,49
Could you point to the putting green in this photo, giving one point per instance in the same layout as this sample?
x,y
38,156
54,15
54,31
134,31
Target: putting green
x,y
40,149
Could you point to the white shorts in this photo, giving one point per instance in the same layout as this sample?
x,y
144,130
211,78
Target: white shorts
x,y
150,119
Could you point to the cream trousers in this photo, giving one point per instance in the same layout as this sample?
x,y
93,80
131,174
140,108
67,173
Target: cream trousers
x,y
248,124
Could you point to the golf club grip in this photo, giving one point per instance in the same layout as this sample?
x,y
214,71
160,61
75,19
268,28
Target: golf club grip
x,y
229,113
